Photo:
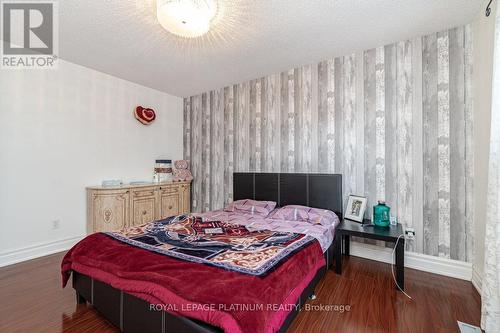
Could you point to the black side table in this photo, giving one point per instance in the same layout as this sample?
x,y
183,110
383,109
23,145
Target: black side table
x,y
348,228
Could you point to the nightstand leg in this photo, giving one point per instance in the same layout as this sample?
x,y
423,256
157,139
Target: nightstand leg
x,y
400,263
338,254
347,248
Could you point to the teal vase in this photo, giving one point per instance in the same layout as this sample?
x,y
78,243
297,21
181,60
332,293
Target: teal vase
x,y
381,214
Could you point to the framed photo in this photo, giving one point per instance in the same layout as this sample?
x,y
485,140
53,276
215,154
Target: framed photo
x,y
356,207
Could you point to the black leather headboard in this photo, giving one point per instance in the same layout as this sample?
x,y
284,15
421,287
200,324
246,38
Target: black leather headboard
x,y
307,189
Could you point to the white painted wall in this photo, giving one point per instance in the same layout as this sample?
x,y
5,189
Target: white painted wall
x,y
484,32
62,130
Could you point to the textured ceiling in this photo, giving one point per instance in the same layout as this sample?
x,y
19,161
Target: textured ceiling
x,y
253,37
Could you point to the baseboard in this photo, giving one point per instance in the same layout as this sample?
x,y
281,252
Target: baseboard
x,y
36,251
477,279
422,262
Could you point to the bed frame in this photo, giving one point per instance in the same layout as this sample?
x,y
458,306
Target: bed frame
x,y
131,314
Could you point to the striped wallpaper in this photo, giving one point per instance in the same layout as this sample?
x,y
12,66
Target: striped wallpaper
x,y
396,121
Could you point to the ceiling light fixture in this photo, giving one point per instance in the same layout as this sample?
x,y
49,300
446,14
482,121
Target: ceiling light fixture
x,y
186,18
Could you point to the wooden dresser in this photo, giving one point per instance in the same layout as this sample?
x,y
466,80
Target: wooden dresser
x,y
114,208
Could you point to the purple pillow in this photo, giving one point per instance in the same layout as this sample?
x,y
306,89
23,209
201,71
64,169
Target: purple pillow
x,y
306,214
254,207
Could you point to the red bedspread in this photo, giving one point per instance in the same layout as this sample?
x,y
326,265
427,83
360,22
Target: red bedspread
x,y
233,301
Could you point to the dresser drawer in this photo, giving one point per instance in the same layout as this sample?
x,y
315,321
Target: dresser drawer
x,y
169,189
144,192
143,210
169,205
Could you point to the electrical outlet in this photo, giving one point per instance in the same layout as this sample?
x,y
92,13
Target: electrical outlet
x,y
194,203
410,233
56,224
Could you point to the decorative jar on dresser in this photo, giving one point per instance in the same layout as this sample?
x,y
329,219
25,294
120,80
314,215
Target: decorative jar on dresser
x,y
114,208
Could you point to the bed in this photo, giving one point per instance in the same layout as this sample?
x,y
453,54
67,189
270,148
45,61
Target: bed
x,y
139,290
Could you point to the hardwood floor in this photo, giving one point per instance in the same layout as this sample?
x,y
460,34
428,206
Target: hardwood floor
x,y
32,300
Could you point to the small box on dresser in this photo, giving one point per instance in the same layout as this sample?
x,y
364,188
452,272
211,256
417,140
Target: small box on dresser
x,y
114,208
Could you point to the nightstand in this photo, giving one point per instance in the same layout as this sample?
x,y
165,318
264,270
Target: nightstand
x,y
348,228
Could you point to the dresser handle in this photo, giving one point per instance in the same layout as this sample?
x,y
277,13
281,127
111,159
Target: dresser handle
x,y
169,207
144,212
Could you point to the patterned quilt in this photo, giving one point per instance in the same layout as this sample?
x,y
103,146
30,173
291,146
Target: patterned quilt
x,y
216,243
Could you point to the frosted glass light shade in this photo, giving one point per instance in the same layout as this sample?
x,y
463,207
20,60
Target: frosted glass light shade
x,y
186,18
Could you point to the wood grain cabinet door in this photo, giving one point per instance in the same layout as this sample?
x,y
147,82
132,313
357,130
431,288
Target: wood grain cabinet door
x,y
185,196
110,210
143,206
169,202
